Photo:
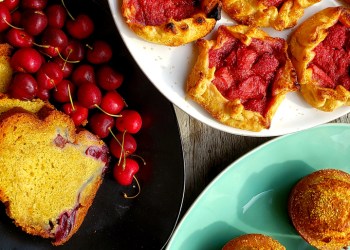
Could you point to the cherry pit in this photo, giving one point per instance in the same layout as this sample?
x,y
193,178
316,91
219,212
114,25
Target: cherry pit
x,y
57,57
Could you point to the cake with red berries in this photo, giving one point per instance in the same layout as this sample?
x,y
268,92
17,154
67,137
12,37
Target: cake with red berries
x,y
253,241
320,52
278,14
50,172
242,76
171,23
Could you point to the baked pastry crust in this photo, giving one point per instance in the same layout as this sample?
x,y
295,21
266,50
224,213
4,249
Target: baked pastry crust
x,y
319,208
172,31
303,42
232,112
253,242
264,13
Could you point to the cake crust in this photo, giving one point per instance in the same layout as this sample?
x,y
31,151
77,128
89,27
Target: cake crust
x,y
253,242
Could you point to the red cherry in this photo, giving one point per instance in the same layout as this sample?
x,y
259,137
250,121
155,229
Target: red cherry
x,y
5,17
108,78
34,21
101,124
43,94
89,95
19,38
16,18
112,102
55,39
84,73
61,92
56,15
79,114
81,27
100,52
49,75
23,86
130,121
74,51
26,60
66,67
124,171
34,4
122,146
11,4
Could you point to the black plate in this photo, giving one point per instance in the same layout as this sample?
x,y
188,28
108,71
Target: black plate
x,y
112,221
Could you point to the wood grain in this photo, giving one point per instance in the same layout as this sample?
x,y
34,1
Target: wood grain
x,y
208,151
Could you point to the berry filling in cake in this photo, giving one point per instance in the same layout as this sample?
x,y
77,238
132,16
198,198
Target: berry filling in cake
x,y
246,72
331,64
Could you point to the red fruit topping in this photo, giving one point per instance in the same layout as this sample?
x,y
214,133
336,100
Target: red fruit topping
x,y
55,39
34,4
16,18
65,225
60,141
100,52
81,27
43,94
108,78
78,113
130,121
101,124
124,171
23,86
61,92
26,60
34,21
125,145
89,95
56,15
99,153
49,75
19,38
84,73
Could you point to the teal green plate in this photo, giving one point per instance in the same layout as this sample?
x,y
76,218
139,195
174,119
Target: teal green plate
x,y
250,195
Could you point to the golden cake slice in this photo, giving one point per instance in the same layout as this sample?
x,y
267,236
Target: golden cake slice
x,y
253,242
33,106
319,208
50,173
5,68
278,14
171,23
320,52
242,77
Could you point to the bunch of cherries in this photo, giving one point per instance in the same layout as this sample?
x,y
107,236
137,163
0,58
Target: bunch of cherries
x,y
52,61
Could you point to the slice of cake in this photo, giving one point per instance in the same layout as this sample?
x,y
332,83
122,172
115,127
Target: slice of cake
x,y
50,173
33,106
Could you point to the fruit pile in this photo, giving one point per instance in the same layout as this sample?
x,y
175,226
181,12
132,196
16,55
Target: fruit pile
x,y
55,60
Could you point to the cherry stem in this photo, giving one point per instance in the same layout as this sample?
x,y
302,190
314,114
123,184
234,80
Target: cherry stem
x,y
41,45
138,191
89,46
64,59
69,14
143,160
4,19
122,148
70,98
106,111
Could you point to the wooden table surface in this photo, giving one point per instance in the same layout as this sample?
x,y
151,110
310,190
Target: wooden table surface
x,y
208,151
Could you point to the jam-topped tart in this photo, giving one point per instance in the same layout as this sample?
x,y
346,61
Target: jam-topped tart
x,y
242,77
278,14
171,22
320,49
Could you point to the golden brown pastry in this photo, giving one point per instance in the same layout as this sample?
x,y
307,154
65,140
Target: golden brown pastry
x,y
242,77
278,14
253,242
320,50
319,209
171,22
5,68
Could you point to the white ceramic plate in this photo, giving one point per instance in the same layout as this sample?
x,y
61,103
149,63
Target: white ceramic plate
x,y
168,67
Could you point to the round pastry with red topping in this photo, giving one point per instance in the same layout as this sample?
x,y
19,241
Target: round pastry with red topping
x,y
171,22
278,14
242,77
320,49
